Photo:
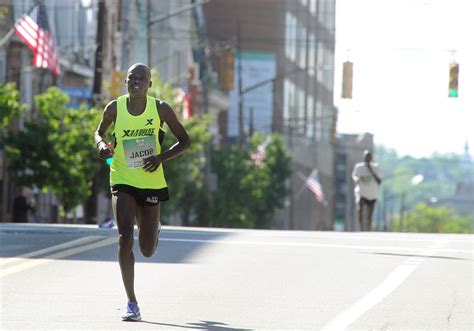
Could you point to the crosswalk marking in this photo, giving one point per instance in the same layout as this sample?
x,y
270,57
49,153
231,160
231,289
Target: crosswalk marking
x,y
45,259
46,250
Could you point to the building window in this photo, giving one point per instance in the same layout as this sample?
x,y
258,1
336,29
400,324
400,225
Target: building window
x,y
288,102
300,114
310,117
291,36
312,54
328,65
312,6
319,120
302,46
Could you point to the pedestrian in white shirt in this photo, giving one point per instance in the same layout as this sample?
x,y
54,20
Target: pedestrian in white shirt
x,y
367,177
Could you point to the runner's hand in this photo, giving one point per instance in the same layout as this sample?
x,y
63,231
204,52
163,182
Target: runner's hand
x,y
105,150
151,163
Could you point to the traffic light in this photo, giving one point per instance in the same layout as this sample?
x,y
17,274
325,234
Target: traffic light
x,y
453,80
347,70
226,70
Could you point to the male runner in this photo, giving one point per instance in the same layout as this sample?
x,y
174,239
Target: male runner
x,y
367,178
136,172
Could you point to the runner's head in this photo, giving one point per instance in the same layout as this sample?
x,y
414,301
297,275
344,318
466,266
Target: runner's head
x,y
138,79
367,156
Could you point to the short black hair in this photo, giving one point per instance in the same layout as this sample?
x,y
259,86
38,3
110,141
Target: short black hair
x,y
136,65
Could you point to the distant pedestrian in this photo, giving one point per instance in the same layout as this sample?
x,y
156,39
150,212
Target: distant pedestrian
x,y
367,178
21,206
137,180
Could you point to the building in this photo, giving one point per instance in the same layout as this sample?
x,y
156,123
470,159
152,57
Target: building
x,y
349,151
72,27
290,45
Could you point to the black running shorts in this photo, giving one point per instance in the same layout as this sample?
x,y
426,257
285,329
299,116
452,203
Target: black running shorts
x,y
143,197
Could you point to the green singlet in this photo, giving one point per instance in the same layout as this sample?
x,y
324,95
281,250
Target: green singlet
x,y
136,138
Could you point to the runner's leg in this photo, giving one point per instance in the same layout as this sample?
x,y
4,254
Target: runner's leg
x,y
370,211
360,209
125,206
148,221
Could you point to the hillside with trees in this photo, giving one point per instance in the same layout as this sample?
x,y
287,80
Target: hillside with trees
x,y
407,201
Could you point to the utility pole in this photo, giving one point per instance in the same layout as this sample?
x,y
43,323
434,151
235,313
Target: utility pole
x,y
292,191
402,210
384,209
90,212
240,88
148,33
99,40
251,122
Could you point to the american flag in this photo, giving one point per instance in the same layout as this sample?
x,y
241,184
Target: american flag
x,y
312,182
33,29
258,156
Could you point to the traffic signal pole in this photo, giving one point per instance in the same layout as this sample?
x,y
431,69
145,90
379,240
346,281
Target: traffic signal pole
x,y
240,89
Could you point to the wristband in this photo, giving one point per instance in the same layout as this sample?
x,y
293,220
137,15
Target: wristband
x,y
97,145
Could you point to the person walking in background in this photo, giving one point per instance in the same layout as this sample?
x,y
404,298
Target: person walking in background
x,y
367,178
21,206
137,180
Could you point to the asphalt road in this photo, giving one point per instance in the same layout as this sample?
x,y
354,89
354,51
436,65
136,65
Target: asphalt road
x,y
67,277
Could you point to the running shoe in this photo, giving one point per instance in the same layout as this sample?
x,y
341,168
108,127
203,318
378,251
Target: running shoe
x,y
133,312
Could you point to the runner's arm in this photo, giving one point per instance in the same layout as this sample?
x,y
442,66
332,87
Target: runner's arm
x,y
168,116
108,118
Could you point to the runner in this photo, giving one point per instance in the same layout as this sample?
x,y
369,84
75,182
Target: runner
x,y
367,178
137,180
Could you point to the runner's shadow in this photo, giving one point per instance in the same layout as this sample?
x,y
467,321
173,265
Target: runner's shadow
x,y
202,325
417,255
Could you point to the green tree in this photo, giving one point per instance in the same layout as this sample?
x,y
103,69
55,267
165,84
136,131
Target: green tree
x,y
247,194
185,175
424,218
441,173
54,151
10,106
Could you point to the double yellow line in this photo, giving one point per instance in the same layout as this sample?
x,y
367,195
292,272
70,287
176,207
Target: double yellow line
x,y
22,262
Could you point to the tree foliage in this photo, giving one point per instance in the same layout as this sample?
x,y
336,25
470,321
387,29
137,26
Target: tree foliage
x,y
424,218
54,151
441,174
185,175
247,194
10,106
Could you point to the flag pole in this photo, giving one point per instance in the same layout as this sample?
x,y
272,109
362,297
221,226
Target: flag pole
x,y
303,178
7,36
12,29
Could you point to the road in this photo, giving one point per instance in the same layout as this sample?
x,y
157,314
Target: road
x,y
67,277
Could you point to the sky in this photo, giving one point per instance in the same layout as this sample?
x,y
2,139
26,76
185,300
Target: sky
x,y
401,50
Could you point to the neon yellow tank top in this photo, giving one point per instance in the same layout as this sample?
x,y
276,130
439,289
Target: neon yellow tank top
x,y
136,137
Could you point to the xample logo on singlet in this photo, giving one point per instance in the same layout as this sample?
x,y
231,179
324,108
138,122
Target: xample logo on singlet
x,y
139,132
149,121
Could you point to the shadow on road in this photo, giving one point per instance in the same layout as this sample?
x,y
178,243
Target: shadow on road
x,y
175,246
415,255
202,325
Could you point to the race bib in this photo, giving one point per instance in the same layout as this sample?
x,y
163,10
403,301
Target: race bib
x,y
138,149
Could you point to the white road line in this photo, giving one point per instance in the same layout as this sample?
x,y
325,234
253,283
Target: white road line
x,y
68,244
384,236
393,280
73,251
263,243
